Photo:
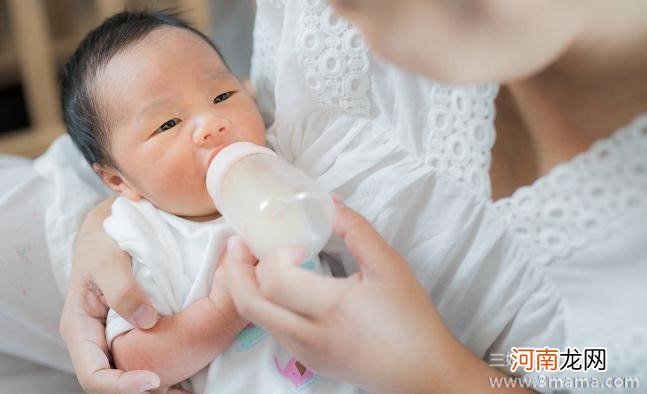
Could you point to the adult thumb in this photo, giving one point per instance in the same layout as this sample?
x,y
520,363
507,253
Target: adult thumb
x,y
124,295
373,254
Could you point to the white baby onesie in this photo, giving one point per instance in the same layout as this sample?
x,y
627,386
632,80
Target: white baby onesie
x,y
174,259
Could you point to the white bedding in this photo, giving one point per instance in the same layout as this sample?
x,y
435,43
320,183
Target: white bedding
x,y
20,376
33,358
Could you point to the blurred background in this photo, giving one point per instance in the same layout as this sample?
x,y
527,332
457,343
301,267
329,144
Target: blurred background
x,y
38,36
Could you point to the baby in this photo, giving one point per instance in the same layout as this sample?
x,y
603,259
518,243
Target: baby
x,y
147,99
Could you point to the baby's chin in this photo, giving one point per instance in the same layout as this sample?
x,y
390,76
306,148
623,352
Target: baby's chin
x,y
193,209
201,217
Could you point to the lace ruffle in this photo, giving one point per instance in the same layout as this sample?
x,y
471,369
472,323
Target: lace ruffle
x,y
460,124
455,133
333,56
584,199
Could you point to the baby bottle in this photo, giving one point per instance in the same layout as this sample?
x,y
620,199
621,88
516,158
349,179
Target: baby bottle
x,y
269,202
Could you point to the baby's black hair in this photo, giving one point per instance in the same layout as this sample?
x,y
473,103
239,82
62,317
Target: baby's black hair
x,y
85,122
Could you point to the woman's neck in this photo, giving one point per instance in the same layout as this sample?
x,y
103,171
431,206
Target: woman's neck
x,y
596,87
565,112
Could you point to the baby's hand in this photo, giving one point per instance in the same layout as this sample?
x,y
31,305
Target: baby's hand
x,y
219,293
218,290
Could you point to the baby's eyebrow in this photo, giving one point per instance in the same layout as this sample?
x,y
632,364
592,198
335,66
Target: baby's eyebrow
x,y
216,76
219,75
151,105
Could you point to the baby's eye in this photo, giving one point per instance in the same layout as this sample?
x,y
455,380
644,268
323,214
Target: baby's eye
x,y
222,97
169,124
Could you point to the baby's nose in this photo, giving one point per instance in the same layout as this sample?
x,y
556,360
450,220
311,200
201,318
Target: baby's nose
x,y
208,132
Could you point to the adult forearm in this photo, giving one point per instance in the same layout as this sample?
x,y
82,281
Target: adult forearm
x,y
180,345
435,363
473,375
459,372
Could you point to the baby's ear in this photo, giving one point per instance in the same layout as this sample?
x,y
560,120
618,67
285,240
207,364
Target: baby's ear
x,y
115,181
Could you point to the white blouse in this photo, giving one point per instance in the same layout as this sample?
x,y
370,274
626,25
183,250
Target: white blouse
x,y
584,225
413,156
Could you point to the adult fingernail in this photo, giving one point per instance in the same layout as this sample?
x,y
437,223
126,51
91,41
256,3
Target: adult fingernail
x,y
296,255
145,317
232,242
337,198
148,386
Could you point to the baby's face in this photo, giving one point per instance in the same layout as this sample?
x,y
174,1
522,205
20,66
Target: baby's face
x,y
170,102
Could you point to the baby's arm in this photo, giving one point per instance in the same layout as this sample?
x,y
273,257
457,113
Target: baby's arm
x,y
180,345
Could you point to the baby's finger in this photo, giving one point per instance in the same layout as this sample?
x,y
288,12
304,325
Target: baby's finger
x,y
238,252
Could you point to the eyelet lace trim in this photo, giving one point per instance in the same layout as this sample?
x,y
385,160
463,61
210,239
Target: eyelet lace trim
x,y
460,130
459,123
584,199
334,58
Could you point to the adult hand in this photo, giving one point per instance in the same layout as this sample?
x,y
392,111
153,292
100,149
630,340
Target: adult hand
x,y
377,329
99,279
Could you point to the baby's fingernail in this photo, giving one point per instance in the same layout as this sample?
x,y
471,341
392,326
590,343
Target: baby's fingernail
x,y
235,244
145,317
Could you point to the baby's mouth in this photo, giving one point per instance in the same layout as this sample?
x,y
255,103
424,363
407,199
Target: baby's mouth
x,y
215,152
